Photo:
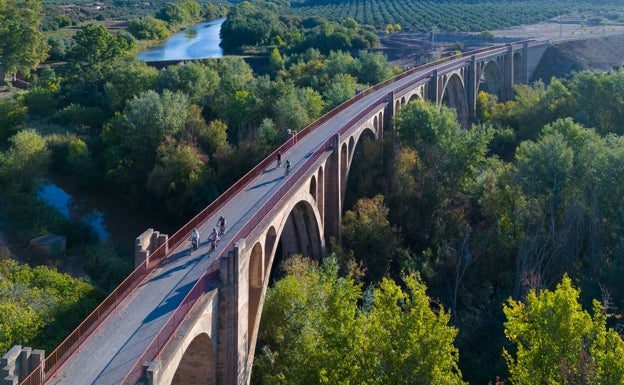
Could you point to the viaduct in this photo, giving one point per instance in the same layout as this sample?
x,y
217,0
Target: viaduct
x,y
192,317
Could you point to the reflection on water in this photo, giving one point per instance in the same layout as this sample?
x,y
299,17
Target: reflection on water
x,y
196,42
72,209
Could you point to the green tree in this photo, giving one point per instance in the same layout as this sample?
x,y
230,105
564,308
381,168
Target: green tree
x,y
25,161
367,231
176,177
94,43
126,78
406,342
13,115
22,45
557,342
213,138
195,79
339,89
133,137
248,24
374,68
148,28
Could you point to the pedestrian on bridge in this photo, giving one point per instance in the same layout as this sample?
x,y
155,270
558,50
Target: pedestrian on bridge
x,y
279,159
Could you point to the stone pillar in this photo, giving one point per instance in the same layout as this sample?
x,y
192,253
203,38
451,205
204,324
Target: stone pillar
x,y
333,204
18,363
525,64
35,358
472,83
233,367
508,74
152,372
389,113
10,366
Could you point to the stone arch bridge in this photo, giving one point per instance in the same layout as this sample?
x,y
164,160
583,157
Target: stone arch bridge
x,y
192,317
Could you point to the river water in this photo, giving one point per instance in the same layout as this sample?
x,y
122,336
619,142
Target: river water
x,y
199,41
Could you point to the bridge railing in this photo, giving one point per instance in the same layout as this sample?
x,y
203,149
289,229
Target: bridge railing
x,y
72,343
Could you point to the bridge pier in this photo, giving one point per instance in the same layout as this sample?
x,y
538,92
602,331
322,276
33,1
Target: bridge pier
x,y
233,365
333,197
18,363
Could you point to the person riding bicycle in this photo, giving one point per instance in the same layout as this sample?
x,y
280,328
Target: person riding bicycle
x,y
287,166
195,238
213,238
221,225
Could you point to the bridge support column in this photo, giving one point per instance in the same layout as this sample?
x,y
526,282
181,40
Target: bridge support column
x,y
472,83
525,64
233,366
333,201
18,363
433,91
508,73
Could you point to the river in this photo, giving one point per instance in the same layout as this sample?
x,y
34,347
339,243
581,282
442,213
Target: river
x,y
105,215
199,41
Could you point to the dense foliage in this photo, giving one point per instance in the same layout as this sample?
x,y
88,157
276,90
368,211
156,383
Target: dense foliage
x,y
33,299
315,331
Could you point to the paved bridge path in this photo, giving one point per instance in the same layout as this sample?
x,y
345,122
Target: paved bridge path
x,y
107,355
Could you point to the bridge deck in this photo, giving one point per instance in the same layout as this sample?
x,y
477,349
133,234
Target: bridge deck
x,y
108,354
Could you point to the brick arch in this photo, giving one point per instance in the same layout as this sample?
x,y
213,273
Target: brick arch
x,y
198,364
346,164
301,231
414,97
491,80
454,93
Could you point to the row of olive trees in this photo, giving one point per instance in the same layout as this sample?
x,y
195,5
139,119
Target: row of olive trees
x,y
452,16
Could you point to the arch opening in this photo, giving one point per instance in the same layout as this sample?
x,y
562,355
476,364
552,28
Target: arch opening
x,y
300,235
454,96
198,365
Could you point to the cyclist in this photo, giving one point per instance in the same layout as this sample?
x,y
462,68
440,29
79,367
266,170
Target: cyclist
x,y
287,167
221,225
195,238
213,238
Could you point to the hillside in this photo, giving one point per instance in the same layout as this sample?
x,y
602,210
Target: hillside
x,y
592,54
